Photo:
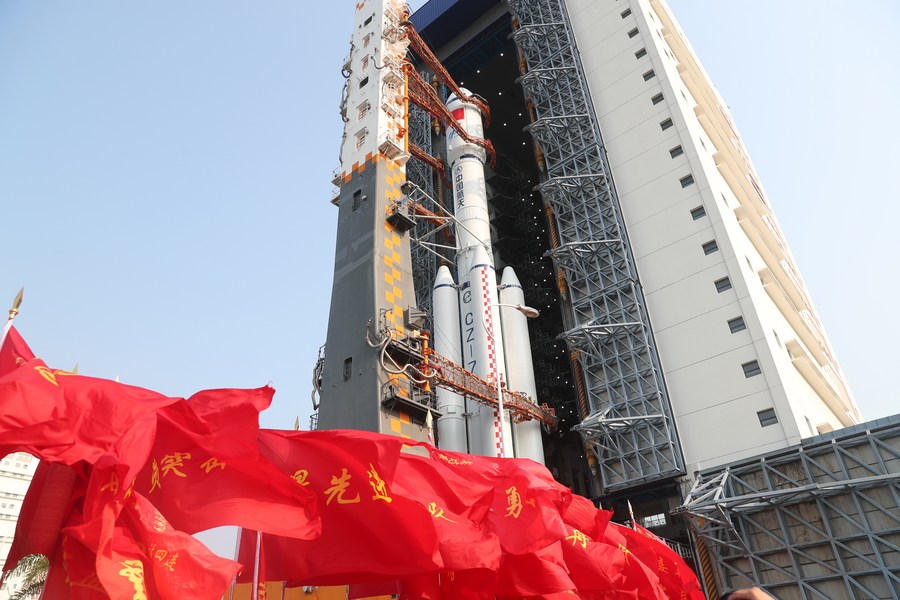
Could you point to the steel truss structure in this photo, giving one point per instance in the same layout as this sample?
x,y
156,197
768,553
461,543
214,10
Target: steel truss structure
x,y
816,521
629,426
424,263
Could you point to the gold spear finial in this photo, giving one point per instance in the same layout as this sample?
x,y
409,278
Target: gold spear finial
x,y
16,303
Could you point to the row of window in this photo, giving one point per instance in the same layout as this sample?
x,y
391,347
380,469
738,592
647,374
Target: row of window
x,y
752,368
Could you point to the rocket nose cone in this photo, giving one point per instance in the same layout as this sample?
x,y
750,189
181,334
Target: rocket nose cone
x,y
479,258
509,277
454,97
443,277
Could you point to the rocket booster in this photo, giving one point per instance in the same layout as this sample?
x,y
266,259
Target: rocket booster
x,y
519,363
451,425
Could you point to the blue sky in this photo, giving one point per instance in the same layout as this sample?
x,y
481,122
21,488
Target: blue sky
x,y
165,178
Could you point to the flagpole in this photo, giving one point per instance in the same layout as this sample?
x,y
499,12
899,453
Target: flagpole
x,y
12,315
256,566
17,301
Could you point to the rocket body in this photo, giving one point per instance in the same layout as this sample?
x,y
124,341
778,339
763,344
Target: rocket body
x,y
482,336
483,351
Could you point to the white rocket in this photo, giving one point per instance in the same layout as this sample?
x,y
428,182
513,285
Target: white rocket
x,y
519,363
481,344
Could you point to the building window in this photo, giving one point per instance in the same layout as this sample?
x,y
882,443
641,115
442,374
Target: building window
x,y
698,213
367,21
357,202
676,151
626,12
654,521
751,369
363,81
641,53
665,124
767,417
633,32
649,75
364,63
348,368
723,284
367,40
710,247
362,111
737,324
360,139
657,98
687,180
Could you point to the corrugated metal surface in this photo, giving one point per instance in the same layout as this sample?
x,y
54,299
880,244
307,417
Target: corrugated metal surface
x,y
438,21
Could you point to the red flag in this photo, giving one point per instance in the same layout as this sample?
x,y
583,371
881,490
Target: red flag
x,y
534,574
138,554
675,576
635,574
528,502
459,511
14,352
44,510
370,531
205,468
62,417
473,584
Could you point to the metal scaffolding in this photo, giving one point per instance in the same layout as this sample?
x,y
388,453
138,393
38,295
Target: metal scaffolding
x,y
629,426
424,262
816,521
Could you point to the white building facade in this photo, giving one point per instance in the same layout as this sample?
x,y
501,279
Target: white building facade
x,y
745,359
16,472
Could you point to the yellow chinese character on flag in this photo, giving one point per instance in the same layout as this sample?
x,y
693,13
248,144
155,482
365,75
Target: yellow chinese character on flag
x,y
437,512
378,485
513,503
134,571
212,463
113,484
300,476
661,566
578,537
154,476
339,485
170,564
171,462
